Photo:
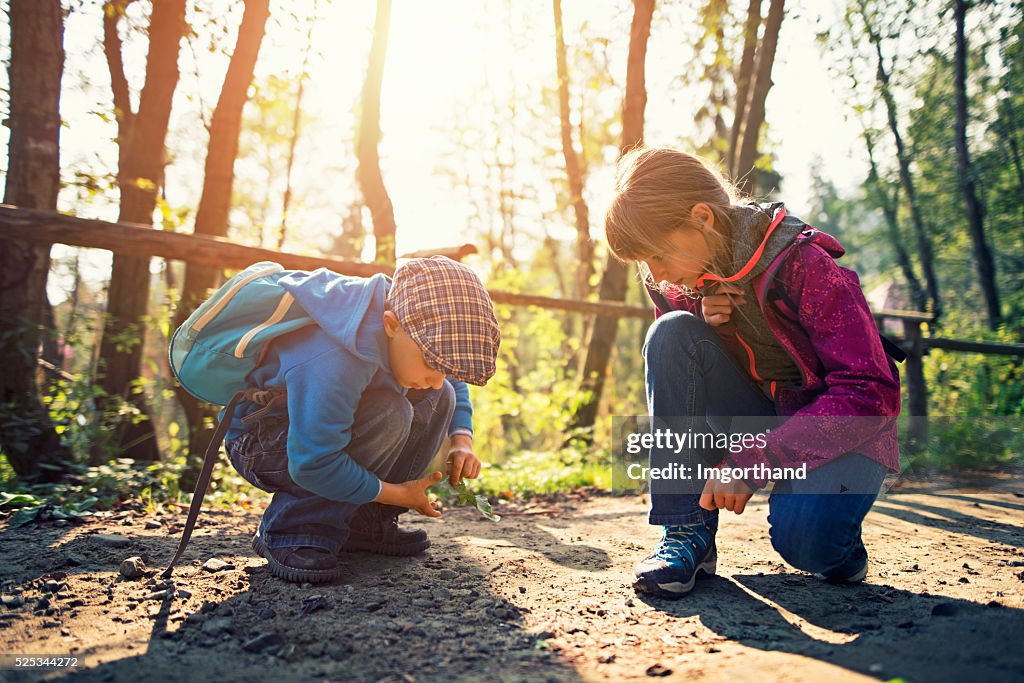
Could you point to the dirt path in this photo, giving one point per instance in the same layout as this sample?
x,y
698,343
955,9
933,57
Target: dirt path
x,y
536,597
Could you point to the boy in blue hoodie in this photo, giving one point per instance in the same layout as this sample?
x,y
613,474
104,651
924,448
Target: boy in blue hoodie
x,y
372,390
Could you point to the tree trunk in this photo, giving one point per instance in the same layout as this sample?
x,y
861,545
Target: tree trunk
x,y
215,204
27,436
141,137
371,181
744,76
924,247
615,277
1010,138
889,211
753,117
293,141
975,211
584,246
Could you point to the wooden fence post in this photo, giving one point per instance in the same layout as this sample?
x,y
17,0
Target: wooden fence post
x,y
917,390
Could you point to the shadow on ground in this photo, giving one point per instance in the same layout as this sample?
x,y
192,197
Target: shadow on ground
x,y
430,617
865,629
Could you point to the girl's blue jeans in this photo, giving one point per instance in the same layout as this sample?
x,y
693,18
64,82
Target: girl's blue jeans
x,y
393,436
693,383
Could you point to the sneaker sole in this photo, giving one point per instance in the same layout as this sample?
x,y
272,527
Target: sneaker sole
x,y
677,589
856,578
293,574
403,550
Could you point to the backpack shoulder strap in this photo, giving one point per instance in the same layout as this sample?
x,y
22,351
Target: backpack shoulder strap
x,y
268,398
209,459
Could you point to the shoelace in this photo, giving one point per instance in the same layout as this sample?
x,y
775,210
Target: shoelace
x,y
681,541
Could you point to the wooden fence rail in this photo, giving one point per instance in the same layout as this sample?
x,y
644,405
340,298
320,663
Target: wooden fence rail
x,y
136,240
51,228
916,346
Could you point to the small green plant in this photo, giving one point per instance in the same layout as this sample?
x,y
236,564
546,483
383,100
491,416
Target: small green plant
x,y
29,508
461,495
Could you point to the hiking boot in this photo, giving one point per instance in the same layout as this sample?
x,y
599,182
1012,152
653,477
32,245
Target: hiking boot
x,y
684,554
374,529
298,564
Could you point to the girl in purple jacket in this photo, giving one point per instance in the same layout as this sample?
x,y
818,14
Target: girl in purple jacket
x,y
764,363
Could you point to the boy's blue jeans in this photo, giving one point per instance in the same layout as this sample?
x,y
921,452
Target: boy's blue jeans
x,y
694,383
393,436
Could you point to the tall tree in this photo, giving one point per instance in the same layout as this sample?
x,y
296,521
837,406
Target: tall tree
x,y
584,246
924,246
141,137
615,277
711,50
975,211
744,77
371,180
890,205
215,201
27,435
293,140
753,115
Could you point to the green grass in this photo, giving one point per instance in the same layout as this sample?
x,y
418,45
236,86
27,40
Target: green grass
x,y
966,443
534,473
149,485
154,486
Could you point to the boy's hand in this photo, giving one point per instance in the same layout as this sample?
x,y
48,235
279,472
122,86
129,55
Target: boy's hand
x,y
717,308
732,496
462,462
411,494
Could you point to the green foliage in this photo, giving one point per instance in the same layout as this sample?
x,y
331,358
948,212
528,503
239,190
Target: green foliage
x,y
968,443
531,473
30,508
529,402
152,486
975,400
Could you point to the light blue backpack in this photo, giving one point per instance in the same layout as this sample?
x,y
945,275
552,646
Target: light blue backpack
x,y
214,351
221,342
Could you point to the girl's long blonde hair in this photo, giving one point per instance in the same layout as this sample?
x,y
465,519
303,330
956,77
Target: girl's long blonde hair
x,y
656,188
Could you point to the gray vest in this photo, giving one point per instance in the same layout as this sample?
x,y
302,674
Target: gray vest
x,y
771,362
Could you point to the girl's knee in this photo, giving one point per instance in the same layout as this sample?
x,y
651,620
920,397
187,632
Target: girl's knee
x,y
812,543
678,329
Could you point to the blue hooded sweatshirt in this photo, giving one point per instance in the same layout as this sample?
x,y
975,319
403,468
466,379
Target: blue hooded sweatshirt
x,y
325,368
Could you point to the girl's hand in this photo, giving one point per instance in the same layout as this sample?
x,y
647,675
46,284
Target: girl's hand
x,y
462,462
717,308
411,494
719,496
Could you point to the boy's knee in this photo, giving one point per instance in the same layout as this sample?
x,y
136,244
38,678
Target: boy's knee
x,y
385,418
810,542
446,400
676,330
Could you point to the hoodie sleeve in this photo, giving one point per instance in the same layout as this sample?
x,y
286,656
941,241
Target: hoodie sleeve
x,y
861,397
462,418
321,411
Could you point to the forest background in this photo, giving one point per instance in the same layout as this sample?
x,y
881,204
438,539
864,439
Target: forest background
x,y
367,131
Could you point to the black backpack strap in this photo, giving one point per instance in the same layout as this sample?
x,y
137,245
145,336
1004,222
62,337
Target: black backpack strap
x,y
892,348
209,460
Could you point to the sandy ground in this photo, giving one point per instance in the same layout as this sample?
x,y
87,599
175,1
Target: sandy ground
x,y
544,595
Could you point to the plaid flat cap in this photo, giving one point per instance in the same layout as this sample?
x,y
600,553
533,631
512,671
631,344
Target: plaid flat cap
x,y
444,307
